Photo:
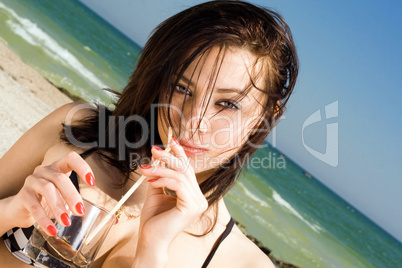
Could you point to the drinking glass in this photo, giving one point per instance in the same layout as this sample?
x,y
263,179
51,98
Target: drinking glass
x,y
68,247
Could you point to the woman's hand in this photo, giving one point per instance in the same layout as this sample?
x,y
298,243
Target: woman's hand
x,y
163,216
50,187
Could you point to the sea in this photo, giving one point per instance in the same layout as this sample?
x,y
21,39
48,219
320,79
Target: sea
x,y
276,201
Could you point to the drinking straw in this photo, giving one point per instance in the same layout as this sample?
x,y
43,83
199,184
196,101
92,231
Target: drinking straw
x,y
126,196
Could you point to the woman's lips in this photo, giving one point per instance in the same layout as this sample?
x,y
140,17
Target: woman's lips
x,y
191,149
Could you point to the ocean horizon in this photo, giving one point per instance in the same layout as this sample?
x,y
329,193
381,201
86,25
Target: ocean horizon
x,y
285,207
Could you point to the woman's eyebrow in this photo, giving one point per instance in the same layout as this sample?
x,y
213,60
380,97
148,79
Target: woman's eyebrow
x,y
239,92
229,90
219,90
187,80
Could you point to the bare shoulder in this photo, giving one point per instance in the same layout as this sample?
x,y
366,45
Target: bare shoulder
x,y
239,251
29,151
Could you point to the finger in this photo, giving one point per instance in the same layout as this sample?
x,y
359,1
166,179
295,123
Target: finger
x,y
173,185
73,161
65,187
39,214
158,171
178,150
186,198
171,161
54,201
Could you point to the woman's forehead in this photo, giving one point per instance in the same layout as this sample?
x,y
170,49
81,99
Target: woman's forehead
x,y
232,70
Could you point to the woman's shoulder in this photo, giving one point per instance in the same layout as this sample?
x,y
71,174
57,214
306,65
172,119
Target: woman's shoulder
x,y
51,125
243,252
67,114
46,133
237,250
30,149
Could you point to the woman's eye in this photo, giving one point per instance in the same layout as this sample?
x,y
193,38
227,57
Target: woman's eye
x,y
183,90
229,105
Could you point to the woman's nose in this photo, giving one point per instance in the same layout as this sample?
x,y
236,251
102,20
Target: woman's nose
x,y
198,122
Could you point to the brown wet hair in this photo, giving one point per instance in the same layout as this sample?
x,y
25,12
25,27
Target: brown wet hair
x,y
173,46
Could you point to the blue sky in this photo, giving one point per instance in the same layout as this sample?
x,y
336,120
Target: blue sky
x,y
350,56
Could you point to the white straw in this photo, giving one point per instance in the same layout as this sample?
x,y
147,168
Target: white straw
x,y
125,197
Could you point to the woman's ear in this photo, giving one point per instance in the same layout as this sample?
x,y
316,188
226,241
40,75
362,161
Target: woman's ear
x,y
277,108
256,125
259,122
254,130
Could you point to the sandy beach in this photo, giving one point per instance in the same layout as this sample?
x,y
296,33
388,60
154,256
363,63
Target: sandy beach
x,y
26,97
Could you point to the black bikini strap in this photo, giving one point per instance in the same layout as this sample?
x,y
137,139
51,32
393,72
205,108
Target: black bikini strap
x,y
87,152
218,242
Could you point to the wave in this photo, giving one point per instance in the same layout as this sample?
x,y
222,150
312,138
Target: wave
x,y
34,35
289,207
252,196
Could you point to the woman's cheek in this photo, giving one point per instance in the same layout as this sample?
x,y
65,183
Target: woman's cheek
x,y
224,138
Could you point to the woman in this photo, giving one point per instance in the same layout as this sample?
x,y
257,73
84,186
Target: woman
x,y
219,74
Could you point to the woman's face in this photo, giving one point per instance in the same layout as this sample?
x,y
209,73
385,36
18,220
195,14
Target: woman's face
x,y
207,109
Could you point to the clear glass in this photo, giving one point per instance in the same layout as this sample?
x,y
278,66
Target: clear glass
x,y
68,249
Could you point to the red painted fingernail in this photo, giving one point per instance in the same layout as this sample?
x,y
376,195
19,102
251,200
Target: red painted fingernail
x,y
145,167
158,148
175,140
65,219
90,179
152,180
80,208
51,230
